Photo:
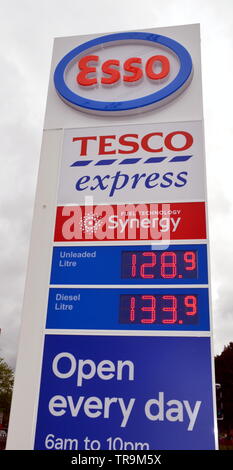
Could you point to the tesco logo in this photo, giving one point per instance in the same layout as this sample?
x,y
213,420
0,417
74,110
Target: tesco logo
x,y
123,73
153,142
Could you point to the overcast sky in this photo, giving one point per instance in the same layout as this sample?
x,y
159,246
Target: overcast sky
x,y
27,29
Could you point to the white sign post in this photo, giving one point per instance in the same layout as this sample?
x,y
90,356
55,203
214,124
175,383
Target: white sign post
x,y
118,270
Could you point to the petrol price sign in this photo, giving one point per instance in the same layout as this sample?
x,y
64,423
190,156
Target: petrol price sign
x,y
130,264
117,312
129,309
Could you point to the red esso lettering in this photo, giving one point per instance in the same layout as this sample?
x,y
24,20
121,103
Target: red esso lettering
x,y
157,67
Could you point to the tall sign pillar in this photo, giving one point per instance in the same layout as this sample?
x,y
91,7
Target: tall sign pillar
x,y
116,340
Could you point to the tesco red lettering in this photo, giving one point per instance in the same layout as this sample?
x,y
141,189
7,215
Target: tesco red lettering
x,y
157,67
153,142
104,142
145,142
168,141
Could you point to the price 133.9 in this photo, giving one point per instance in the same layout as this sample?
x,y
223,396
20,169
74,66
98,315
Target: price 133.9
x,y
158,309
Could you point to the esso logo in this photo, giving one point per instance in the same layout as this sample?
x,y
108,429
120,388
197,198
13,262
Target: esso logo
x,y
111,73
123,73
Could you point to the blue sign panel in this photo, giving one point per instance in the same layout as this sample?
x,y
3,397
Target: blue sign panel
x,y
128,309
130,264
124,393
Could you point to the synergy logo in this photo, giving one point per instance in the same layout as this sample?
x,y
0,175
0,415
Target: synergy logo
x,y
123,72
173,221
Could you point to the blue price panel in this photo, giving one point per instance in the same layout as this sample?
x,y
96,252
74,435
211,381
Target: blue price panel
x,y
125,393
135,264
128,309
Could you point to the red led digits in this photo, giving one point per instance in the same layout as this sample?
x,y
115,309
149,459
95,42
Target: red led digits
x,y
134,265
150,308
172,309
190,301
160,309
164,265
144,266
168,265
190,260
132,309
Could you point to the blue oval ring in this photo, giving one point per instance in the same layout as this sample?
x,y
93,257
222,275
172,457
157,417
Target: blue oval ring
x,y
86,104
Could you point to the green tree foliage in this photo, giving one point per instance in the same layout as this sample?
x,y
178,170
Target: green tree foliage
x,y
224,376
6,386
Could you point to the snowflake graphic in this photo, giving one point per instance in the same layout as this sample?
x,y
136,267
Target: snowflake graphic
x,y
90,223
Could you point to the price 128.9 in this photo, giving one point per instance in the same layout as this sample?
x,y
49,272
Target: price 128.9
x,y
176,264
